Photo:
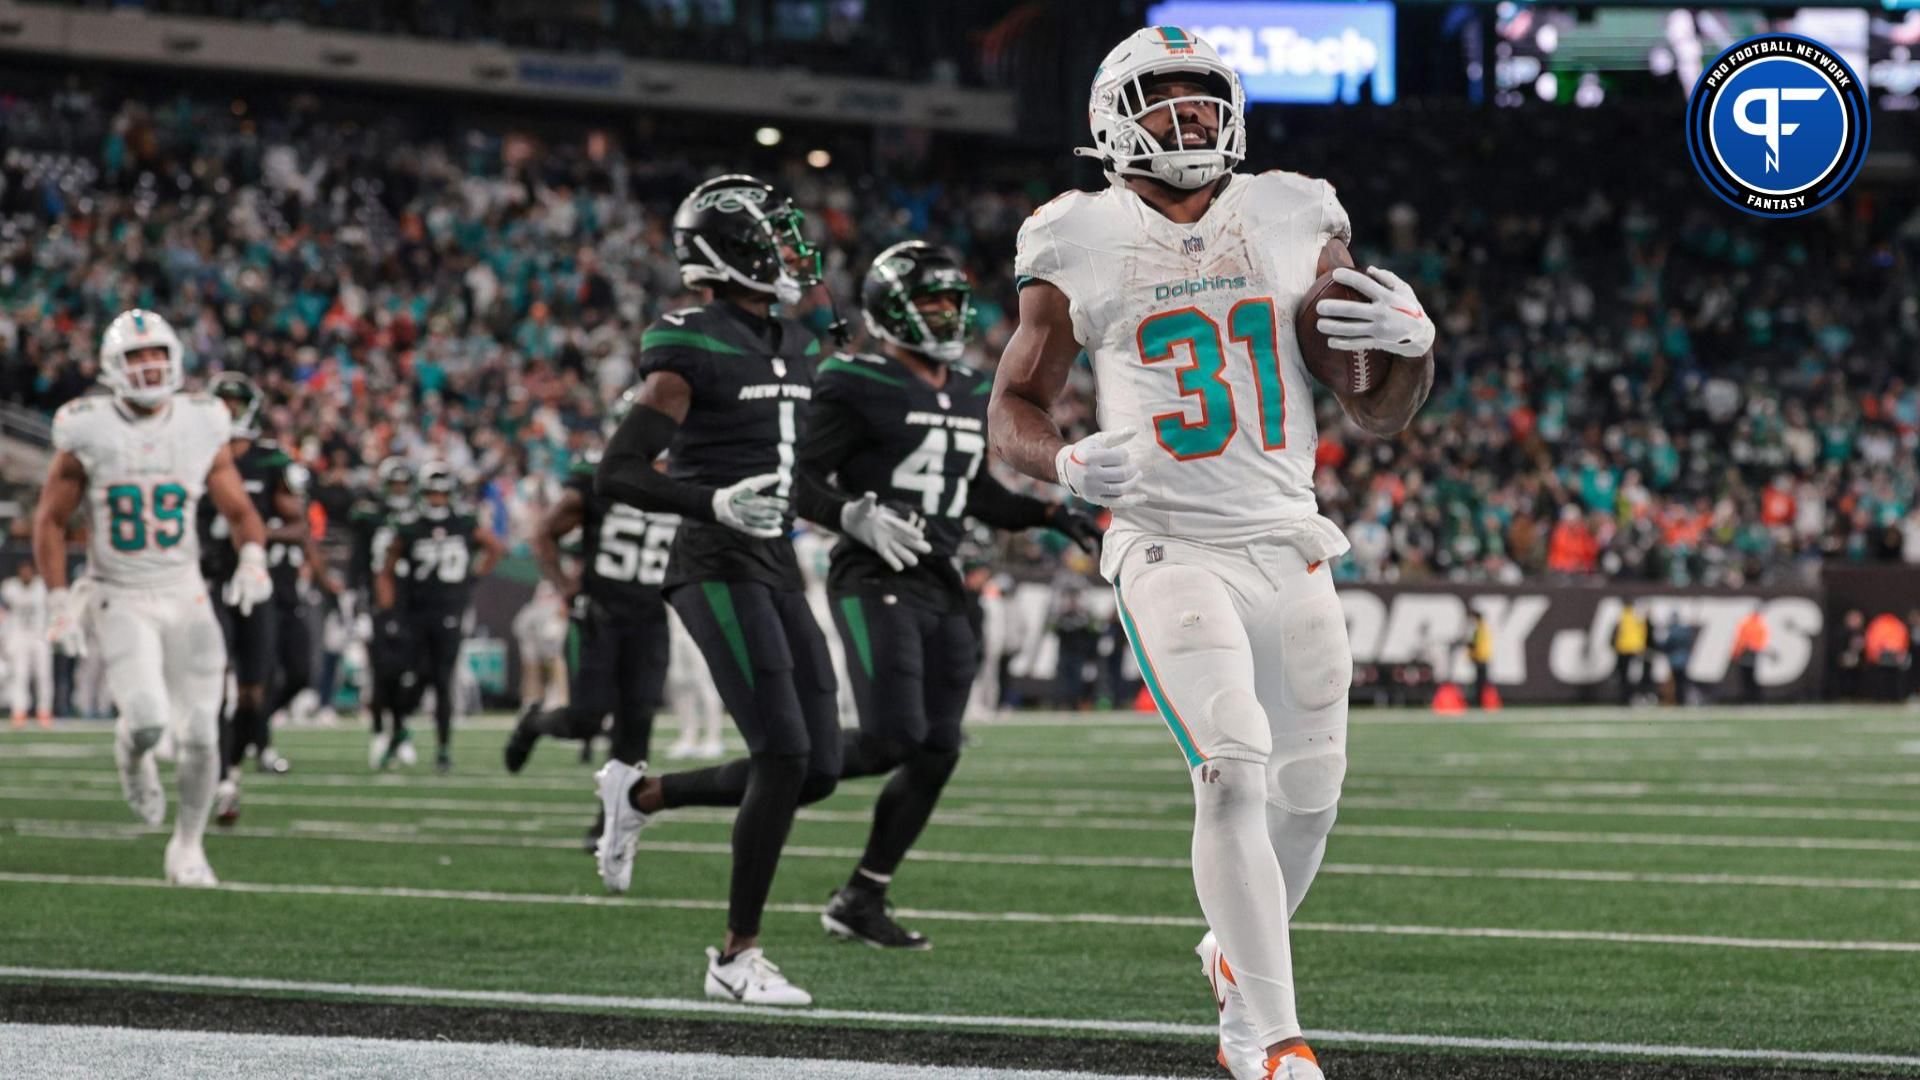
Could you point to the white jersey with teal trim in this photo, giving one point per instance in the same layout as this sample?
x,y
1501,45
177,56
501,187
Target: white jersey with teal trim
x,y
145,477
1190,330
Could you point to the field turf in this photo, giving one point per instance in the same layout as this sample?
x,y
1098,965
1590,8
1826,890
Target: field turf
x,y
1531,893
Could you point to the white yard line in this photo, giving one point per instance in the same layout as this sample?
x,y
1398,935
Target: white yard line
x,y
1014,1023
1071,823
430,833
964,799
1610,937
33,1052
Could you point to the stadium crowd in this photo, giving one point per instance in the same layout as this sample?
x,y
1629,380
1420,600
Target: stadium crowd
x,y
1634,383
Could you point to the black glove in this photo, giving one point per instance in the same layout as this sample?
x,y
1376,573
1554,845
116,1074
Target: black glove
x,y
1077,526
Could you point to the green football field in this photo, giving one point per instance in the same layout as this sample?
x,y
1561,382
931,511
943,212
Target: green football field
x,y
1651,885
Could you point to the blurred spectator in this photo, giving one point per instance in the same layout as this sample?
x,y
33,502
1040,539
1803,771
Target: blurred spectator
x,y
1480,651
1889,654
1849,655
1677,639
1633,660
1750,640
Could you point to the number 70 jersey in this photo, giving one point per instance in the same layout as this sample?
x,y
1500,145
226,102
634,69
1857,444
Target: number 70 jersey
x,y
1190,329
145,478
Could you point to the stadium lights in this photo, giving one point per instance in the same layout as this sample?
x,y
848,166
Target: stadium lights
x,y
767,136
819,159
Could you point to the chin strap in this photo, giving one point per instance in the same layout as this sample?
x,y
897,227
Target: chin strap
x,y
838,328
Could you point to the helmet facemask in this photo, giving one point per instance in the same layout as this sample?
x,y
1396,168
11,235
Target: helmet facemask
x,y
779,260
939,334
160,369
243,401
1119,107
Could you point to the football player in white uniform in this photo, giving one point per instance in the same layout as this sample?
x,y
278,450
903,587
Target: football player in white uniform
x,y
1180,280
23,631
141,458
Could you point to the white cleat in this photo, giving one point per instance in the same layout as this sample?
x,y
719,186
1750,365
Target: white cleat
x,y
622,832
1293,1063
187,866
683,750
140,783
407,755
377,752
1240,1051
751,979
712,748
226,801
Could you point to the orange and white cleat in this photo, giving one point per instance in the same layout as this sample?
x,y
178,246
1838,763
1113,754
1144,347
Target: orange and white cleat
x,y
1240,1050
1293,1063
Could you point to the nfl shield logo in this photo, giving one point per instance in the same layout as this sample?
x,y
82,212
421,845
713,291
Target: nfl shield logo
x,y
779,368
1155,553
945,401
1193,245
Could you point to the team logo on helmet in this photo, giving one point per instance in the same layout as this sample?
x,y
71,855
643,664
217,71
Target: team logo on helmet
x,y
730,200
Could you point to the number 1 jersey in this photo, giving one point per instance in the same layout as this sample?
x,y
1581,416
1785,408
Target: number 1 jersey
x,y
1190,330
145,478
752,381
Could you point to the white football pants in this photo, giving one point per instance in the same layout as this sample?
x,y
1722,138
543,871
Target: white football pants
x,y
30,667
1245,652
165,662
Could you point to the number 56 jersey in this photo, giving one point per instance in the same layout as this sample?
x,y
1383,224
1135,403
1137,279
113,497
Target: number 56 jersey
x,y
145,478
1190,330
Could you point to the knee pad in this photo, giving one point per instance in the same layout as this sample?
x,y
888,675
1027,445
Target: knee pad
x,y
817,786
1237,714
1305,777
143,738
1314,653
145,715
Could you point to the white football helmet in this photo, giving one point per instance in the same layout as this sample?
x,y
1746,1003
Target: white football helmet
x,y
1119,102
131,331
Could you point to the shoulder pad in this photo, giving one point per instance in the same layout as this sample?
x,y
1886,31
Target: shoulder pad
x,y
849,369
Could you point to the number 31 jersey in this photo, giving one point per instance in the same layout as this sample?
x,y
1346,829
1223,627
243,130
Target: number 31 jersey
x,y
145,478
1190,330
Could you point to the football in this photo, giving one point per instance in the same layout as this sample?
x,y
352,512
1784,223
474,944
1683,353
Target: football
x,y
1344,372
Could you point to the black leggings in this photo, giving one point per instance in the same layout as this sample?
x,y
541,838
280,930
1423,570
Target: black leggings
x,y
770,663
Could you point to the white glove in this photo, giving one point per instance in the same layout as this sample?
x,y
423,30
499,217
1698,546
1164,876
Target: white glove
x,y
900,541
1097,470
742,508
67,618
250,586
1390,320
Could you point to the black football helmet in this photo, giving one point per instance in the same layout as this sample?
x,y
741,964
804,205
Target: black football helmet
x,y
243,401
436,478
395,478
911,271
732,229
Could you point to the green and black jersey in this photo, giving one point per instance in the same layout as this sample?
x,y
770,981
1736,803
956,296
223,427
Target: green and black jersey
x,y
623,551
265,470
437,550
752,384
877,426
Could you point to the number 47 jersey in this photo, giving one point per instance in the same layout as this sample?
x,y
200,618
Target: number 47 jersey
x,y
1190,330
145,478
